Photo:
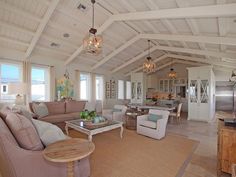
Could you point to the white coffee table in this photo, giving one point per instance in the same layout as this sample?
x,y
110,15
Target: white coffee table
x,y
79,126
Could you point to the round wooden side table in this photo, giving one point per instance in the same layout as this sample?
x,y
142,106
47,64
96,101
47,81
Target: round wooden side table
x,y
68,151
131,120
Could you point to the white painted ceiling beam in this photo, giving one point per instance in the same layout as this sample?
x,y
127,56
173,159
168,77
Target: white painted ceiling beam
x,y
190,12
223,25
176,49
185,38
224,10
115,52
41,27
198,52
136,58
21,12
163,57
191,38
3,38
191,22
183,57
17,28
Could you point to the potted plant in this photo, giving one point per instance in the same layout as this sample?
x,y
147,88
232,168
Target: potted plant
x,y
88,115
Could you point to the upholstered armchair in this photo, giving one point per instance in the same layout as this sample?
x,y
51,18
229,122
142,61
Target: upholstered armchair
x,y
154,129
117,113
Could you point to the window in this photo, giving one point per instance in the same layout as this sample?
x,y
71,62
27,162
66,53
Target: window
x,y
10,73
85,86
120,89
128,90
40,84
99,88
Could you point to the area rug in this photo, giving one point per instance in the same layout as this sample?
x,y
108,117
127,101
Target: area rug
x,y
138,156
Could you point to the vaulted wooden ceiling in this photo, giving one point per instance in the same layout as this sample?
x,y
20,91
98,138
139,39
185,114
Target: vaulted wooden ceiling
x,y
202,31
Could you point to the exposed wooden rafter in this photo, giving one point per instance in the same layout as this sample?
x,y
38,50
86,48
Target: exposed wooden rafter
x,y
188,12
41,27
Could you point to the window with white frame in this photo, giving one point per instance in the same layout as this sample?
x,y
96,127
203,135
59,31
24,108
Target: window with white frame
x,y
128,90
85,80
120,89
10,73
99,87
40,90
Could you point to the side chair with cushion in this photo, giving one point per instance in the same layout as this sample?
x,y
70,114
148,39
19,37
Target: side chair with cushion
x,y
117,113
153,124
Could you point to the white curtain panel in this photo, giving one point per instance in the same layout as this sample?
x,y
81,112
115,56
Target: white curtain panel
x,y
27,79
52,78
77,85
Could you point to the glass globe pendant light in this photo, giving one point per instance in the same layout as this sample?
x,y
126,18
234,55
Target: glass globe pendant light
x,y
149,66
92,43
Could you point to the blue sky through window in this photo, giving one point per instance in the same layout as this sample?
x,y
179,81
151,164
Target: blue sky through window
x,y
10,73
38,75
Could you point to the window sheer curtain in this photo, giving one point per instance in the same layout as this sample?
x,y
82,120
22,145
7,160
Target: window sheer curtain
x,y
52,82
77,85
27,80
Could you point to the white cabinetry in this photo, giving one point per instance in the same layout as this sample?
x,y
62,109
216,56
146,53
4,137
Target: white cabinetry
x,y
138,88
168,85
201,97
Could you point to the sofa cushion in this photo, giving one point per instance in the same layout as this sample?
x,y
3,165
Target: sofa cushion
x,y
40,109
75,106
48,132
75,115
56,107
24,132
147,123
154,117
57,118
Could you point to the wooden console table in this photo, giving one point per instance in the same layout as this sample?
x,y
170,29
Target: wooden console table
x,y
226,148
68,151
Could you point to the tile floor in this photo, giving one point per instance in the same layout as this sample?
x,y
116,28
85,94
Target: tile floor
x,y
204,159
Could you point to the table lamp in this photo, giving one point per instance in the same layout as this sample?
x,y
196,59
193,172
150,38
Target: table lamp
x,y
20,90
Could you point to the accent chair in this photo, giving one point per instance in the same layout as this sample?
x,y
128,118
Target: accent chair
x,y
117,113
153,128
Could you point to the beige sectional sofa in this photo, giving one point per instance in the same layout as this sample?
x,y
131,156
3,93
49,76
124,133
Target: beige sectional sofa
x,y
62,111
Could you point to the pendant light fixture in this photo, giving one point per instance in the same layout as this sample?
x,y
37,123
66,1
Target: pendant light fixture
x,y
149,66
92,43
172,74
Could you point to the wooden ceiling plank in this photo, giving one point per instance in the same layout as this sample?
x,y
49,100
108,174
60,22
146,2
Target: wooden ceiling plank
x,y
136,58
223,25
190,12
15,41
191,38
15,27
115,52
41,27
21,12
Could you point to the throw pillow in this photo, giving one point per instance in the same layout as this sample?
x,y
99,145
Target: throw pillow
x,y
48,132
24,132
40,109
116,110
23,111
5,111
154,117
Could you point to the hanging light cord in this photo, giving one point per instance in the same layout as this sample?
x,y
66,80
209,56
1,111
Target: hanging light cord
x,y
148,49
93,14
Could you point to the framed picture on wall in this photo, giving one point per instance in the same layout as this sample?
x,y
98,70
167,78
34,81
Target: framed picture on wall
x,y
113,95
108,87
113,85
108,95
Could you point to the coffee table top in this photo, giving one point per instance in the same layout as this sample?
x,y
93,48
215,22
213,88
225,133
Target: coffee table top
x,y
81,124
68,150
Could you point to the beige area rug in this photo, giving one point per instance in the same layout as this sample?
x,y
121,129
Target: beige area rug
x,y
138,156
